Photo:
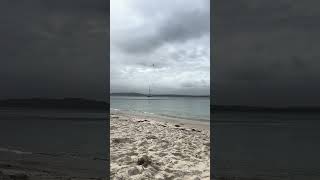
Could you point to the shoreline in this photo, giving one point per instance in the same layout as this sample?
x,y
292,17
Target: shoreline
x,y
158,148
36,147
37,167
188,123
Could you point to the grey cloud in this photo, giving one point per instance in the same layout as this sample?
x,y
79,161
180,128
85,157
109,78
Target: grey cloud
x,y
266,52
255,16
178,27
53,49
199,83
173,38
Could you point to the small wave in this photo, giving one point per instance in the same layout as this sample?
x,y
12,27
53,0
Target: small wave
x,y
139,99
148,113
72,155
142,112
183,117
14,151
56,155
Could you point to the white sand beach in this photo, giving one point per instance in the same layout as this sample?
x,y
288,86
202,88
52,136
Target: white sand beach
x,y
150,148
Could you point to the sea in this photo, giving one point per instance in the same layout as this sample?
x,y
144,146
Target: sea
x,y
266,146
68,139
187,108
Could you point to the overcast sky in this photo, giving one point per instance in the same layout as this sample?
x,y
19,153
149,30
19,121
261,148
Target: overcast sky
x,y
53,48
174,35
267,52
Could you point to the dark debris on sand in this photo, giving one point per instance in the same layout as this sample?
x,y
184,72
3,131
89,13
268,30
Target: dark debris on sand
x,y
195,130
121,140
144,161
143,120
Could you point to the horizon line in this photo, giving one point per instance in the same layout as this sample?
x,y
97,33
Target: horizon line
x,y
158,94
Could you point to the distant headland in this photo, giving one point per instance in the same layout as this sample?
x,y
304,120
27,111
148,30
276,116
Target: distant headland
x,y
155,95
288,109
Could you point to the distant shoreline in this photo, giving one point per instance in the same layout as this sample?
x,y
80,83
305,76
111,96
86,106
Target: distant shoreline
x,y
65,103
289,109
156,95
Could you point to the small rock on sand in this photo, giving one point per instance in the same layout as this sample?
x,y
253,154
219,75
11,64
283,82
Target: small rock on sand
x,y
133,171
151,137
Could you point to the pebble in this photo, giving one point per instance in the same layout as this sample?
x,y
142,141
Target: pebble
x,y
133,171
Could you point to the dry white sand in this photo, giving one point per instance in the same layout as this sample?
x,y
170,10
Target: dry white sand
x,y
146,148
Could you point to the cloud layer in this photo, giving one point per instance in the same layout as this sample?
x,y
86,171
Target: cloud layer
x,y
174,39
53,48
266,52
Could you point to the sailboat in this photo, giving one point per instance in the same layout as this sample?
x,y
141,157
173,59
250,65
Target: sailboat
x,y
149,95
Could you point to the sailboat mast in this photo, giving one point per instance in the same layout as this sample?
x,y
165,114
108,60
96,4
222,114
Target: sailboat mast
x,y
149,95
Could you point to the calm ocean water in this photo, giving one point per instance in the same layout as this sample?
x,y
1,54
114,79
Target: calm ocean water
x,y
195,108
56,134
267,145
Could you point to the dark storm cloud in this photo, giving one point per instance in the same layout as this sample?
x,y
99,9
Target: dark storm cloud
x,y
266,52
53,48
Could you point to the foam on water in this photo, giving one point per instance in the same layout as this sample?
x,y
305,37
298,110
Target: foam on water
x,y
14,151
